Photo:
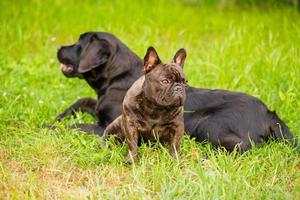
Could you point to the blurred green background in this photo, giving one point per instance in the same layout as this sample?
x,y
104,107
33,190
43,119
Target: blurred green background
x,y
250,46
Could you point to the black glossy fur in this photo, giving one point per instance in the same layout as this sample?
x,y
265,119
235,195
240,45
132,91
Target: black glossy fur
x,y
226,118
221,117
109,67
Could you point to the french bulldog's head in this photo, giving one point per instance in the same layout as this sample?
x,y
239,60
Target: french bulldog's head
x,y
164,83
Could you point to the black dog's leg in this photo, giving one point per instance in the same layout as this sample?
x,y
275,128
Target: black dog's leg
x,y
95,129
281,131
84,105
89,128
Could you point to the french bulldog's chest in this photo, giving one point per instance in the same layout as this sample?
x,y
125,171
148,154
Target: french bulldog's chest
x,y
155,132
161,127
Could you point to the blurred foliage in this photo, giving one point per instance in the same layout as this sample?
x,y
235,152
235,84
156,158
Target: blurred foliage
x,y
243,3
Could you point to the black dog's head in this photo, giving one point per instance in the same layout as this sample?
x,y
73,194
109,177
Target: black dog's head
x,y
87,53
95,50
164,83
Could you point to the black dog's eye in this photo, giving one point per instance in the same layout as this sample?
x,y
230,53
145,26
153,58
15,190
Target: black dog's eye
x,y
165,81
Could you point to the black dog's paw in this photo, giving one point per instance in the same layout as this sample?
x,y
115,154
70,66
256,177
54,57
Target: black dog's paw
x,y
59,117
49,126
65,114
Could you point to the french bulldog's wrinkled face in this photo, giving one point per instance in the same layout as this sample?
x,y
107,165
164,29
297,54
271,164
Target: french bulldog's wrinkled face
x,y
164,83
87,53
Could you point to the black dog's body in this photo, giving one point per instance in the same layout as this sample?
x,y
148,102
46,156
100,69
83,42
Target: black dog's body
x,y
221,117
226,118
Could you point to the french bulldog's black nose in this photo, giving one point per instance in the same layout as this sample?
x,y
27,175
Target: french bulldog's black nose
x,y
177,87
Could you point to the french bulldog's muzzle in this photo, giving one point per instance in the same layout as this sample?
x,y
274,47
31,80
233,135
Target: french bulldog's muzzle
x,y
174,96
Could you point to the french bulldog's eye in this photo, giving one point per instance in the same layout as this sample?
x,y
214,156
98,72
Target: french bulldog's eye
x,y
165,81
184,81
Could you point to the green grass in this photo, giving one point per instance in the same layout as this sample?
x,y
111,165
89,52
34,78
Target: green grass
x,y
253,50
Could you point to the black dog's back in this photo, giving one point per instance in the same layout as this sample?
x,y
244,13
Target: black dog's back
x,y
226,118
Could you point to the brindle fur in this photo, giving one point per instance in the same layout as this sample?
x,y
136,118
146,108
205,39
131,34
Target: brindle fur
x,y
153,110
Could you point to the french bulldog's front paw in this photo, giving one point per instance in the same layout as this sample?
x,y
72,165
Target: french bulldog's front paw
x,y
103,141
174,153
130,159
175,156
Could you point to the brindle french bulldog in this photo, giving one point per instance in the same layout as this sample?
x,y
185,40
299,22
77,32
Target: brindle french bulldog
x,y
153,106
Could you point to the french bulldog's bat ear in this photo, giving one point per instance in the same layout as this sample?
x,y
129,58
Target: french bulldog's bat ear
x,y
96,53
151,59
179,57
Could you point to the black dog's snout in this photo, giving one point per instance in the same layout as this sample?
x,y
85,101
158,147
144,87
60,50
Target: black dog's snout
x,y
59,48
177,87
59,53
63,54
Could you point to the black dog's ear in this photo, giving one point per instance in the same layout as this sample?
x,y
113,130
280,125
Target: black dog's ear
x,y
151,59
96,53
179,57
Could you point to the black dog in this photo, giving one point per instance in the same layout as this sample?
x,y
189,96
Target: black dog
x,y
109,67
220,117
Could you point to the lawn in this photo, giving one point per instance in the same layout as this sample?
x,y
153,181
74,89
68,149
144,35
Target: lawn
x,y
255,50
